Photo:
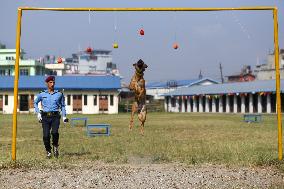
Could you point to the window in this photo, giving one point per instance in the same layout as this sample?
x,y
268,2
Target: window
x,y
24,72
6,99
68,100
85,100
111,100
95,100
10,58
2,72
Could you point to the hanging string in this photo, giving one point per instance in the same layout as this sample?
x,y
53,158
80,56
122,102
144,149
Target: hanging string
x,y
141,35
141,24
115,22
175,29
175,44
93,42
89,16
89,27
243,29
115,45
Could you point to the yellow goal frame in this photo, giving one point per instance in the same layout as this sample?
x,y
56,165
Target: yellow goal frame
x,y
276,50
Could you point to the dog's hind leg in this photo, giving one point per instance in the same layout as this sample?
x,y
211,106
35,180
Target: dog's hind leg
x,y
142,119
142,128
133,110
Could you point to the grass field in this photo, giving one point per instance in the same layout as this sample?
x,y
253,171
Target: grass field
x,y
169,138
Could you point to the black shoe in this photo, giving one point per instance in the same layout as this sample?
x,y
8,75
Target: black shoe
x,y
55,151
48,154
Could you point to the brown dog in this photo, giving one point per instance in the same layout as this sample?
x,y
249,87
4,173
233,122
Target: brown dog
x,y
137,85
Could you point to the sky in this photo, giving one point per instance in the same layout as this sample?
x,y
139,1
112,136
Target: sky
x,y
205,39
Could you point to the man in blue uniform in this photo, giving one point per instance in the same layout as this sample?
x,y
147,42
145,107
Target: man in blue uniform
x,y
52,101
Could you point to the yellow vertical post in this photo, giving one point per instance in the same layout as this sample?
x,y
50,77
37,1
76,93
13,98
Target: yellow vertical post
x,y
277,77
16,84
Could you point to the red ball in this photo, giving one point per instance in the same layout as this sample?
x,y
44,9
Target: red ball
x,y
89,50
141,32
59,60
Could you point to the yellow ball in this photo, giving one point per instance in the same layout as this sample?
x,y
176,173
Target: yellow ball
x,y
115,45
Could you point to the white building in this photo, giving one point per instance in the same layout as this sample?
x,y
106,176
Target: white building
x,y
267,71
91,62
239,97
83,94
58,69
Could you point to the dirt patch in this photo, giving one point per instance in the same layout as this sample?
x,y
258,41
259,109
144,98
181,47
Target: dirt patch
x,y
101,175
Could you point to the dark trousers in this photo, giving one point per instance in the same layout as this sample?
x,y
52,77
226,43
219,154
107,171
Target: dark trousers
x,y
50,123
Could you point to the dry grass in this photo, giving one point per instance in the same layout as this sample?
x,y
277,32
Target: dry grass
x,y
169,137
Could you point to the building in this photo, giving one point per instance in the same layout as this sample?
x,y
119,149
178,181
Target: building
x,y
244,76
27,67
239,97
91,62
267,71
88,62
72,64
56,68
83,94
157,89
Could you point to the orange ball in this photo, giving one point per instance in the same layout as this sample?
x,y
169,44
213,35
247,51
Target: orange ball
x,y
175,46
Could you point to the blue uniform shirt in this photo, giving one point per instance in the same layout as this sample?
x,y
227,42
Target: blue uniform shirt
x,y
51,102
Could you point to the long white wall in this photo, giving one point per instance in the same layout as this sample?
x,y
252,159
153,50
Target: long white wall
x,y
90,108
235,107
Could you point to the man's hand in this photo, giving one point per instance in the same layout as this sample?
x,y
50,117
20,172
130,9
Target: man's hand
x,y
65,119
39,117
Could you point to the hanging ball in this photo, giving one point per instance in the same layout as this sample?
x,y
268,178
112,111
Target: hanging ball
x,y
59,60
115,45
175,46
89,50
141,32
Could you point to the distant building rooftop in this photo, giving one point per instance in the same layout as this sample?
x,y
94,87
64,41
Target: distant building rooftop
x,y
63,82
237,87
177,83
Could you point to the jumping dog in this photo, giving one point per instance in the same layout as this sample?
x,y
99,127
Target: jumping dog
x,y
137,85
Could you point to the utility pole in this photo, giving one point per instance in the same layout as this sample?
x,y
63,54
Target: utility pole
x,y
222,79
